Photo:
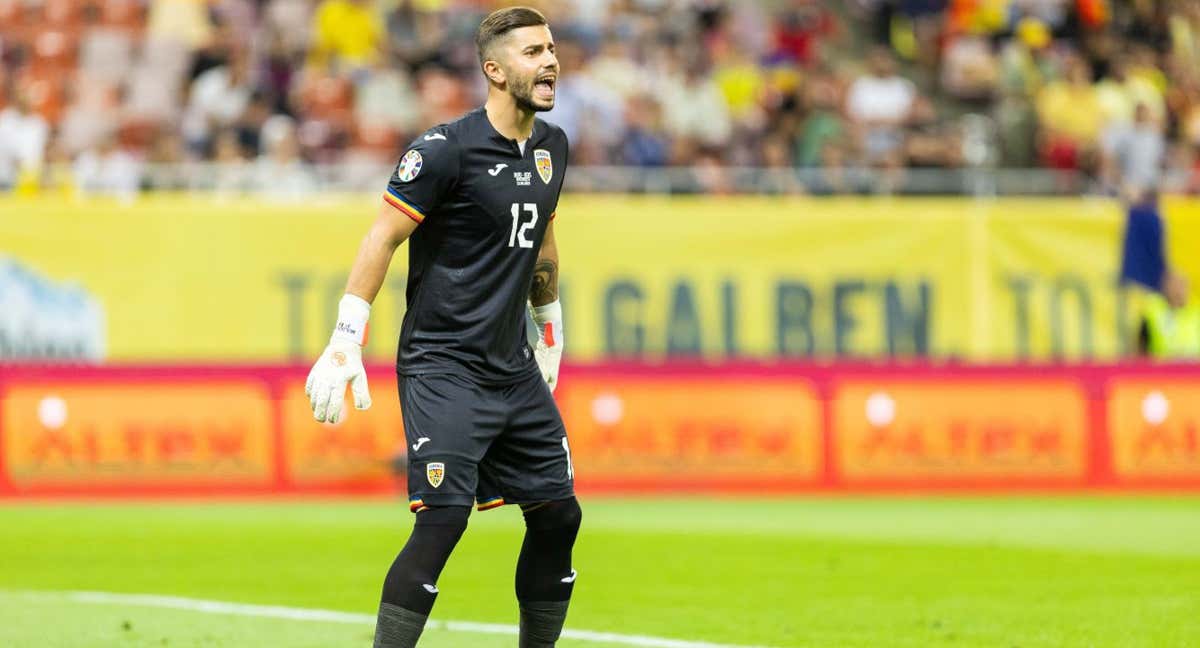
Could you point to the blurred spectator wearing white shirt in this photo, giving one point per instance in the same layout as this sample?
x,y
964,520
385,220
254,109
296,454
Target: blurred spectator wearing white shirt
x,y
23,136
879,104
218,99
279,172
694,107
1132,154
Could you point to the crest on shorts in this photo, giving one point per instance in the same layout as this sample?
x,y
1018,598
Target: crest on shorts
x,y
541,157
410,166
434,472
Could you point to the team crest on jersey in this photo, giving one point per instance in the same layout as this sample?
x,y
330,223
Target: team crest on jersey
x,y
545,167
410,166
435,471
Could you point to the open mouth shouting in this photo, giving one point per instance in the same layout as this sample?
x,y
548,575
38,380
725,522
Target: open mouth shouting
x,y
543,86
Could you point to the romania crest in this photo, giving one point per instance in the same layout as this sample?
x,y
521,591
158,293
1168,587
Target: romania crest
x,y
435,471
541,157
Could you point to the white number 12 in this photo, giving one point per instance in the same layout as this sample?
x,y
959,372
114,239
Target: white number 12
x,y
517,236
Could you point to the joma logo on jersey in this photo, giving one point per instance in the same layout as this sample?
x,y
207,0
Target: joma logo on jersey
x,y
523,178
435,471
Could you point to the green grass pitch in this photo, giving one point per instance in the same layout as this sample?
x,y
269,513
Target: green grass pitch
x,y
988,571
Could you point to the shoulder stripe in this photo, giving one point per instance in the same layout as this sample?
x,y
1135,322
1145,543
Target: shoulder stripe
x,y
399,203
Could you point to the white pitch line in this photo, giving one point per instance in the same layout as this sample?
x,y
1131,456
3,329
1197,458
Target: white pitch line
x,y
333,616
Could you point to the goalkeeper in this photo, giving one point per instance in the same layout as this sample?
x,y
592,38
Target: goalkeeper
x,y
476,200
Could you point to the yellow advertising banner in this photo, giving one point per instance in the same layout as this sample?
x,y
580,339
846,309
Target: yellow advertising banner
x,y
172,278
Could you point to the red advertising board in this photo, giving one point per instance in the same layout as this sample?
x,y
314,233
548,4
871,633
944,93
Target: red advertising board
x,y
358,450
936,431
138,434
633,428
1154,428
711,431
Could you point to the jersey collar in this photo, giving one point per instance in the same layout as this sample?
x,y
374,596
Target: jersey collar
x,y
495,136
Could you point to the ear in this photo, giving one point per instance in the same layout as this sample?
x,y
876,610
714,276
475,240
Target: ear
x,y
494,73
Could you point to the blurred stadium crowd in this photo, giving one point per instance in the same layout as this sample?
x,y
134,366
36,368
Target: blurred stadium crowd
x,y
118,95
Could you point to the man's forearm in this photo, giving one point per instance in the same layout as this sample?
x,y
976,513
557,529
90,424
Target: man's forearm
x,y
371,264
545,282
544,288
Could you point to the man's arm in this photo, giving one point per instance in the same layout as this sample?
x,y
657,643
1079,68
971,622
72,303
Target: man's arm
x,y
341,362
391,228
546,311
545,274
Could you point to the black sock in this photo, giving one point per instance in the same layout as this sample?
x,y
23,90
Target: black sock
x,y
397,627
545,578
410,588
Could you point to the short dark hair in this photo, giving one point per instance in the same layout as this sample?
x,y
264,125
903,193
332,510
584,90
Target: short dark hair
x,y
502,21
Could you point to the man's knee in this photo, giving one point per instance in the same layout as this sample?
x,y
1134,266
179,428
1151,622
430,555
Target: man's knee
x,y
562,514
443,520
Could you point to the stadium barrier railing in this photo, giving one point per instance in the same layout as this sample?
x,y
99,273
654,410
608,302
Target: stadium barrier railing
x,y
367,175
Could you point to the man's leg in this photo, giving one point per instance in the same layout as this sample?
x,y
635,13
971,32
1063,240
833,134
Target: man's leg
x,y
544,574
410,587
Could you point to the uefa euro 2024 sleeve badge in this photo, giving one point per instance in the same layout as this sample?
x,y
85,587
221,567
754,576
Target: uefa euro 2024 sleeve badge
x,y
545,168
410,166
435,471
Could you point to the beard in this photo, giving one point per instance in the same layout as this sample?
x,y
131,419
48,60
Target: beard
x,y
522,93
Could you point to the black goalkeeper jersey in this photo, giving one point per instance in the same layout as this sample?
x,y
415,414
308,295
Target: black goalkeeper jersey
x,y
483,206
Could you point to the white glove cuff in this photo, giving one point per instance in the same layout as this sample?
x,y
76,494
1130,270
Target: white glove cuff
x,y
549,322
548,313
353,312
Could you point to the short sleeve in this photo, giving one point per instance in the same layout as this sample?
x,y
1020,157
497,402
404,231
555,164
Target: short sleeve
x,y
424,175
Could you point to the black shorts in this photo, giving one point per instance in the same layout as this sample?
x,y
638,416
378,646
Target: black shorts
x,y
488,445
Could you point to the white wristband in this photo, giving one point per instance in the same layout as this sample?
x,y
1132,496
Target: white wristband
x,y
353,312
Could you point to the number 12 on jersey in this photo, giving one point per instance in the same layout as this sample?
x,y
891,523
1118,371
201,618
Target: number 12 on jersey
x,y
516,238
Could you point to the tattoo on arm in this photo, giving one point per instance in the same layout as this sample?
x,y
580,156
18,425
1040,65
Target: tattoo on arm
x,y
545,282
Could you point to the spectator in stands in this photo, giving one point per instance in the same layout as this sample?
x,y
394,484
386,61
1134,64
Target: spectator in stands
x,y
643,144
289,21
181,21
693,107
615,68
23,138
799,32
279,172
217,100
387,98
879,105
348,35
726,75
580,103
1132,154
1069,118
822,133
